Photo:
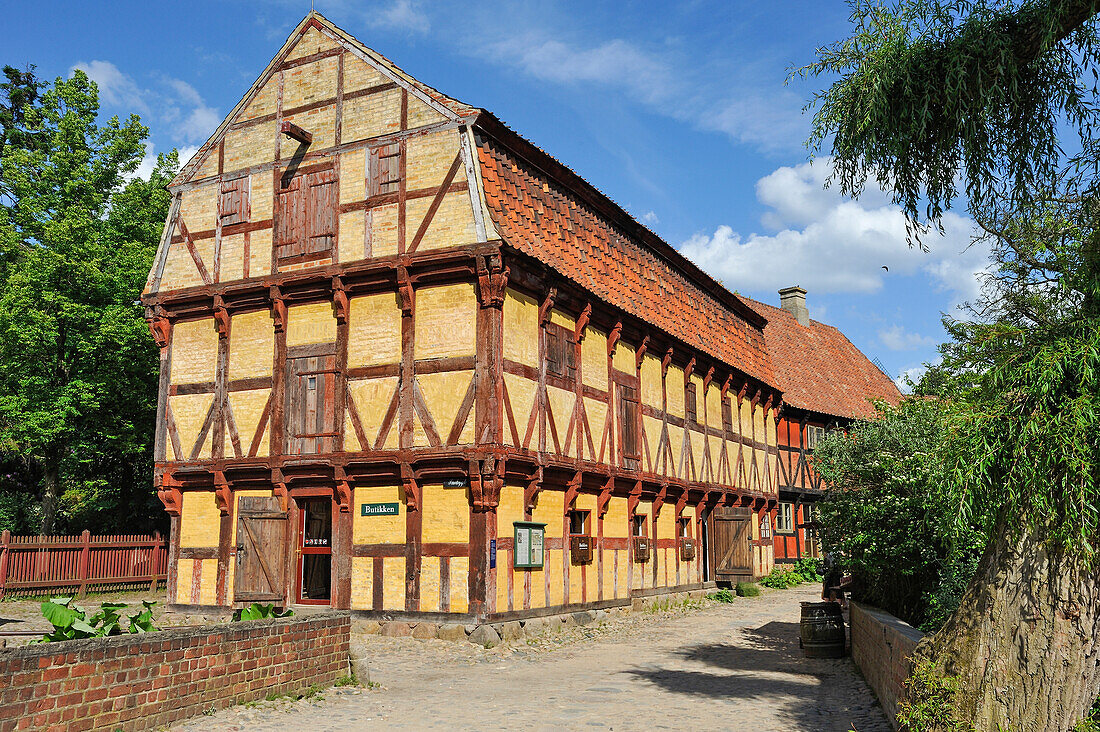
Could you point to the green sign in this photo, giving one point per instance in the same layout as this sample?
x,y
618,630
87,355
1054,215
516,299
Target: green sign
x,y
529,540
381,509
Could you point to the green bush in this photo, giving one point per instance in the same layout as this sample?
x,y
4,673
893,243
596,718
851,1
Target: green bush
x,y
71,621
722,595
746,589
810,569
782,578
259,612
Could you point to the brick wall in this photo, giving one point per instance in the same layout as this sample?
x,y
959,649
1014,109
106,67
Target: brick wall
x,y
147,681
881,647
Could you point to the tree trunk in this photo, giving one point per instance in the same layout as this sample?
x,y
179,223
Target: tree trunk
x,y
51,480
1024,642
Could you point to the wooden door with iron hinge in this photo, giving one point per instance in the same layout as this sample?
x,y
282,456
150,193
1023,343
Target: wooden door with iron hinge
x,y
732,530
261,551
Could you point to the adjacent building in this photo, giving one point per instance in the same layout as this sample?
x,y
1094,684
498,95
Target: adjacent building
x,y
413,366
827,384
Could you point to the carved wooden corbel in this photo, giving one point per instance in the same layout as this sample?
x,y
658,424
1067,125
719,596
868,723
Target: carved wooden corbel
x,y
613,338
659,501
278,489
741,394
666,361
343,490
726,386
573,489
411,487
642,348
531,492
681,502
633,498
223,496
604,499
221,317
491,477
170,495
492,281
405,294
756,399
340,304
582,322
546,305
707,379
689,369
159,326
278,310
477,492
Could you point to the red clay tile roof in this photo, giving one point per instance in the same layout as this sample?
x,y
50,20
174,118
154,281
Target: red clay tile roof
x,y
819,369
581,234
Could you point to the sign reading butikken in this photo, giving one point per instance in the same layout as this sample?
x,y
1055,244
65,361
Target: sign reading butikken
x,y
380,509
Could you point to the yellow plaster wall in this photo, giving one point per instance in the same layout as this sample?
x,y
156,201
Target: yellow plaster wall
x,y
676,442
429,157
374,330
309,83
312,41
353,178
551,511
194,351
674,390
260,253
371,115
179,269
445,323
421,114
584,574
521,314
262,103
651,381
200,520
446,515
358,74
251,345
362,583
260,198
451,225
714,407
393,583
379,529
247,147
208,583
383,228
594,358
190,412
623,358
310,323
185,569
372,399
597,417
443,395
562,404
199,208
460,584
429,585
509,510
521,396
564,319
651,428
232,258
248,407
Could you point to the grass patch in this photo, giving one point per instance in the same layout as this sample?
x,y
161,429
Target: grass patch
x,y
747,589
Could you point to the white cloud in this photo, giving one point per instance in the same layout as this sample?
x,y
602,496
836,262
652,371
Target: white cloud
x,y
914,374
116,89
404,14
650,218
828,243
173,102
897,338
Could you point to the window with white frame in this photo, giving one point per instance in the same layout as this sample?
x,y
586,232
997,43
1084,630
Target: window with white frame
x,y
784,518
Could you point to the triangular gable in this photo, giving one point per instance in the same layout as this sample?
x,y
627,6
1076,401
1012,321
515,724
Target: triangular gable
x,y
304,40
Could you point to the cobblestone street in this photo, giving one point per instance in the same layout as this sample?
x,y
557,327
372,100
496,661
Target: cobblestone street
x,y
735,666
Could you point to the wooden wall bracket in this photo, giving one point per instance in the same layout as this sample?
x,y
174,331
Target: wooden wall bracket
x,y
223,496
659,501
689,369
221,317
161,329
405,293
582,322
531,492
278,489
292,130
278,310
546,306
492,281
707,379
613,337
681,502
340,304
640,353
170,495
573,489
343,491
411,487
634,497
666,361
604,499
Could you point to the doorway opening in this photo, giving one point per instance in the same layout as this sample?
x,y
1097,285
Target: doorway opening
x,y
315,551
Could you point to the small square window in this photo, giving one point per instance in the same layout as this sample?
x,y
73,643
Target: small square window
x,y
784,518
637,525
579,523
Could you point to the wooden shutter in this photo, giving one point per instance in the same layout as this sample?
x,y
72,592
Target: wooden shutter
x,y
233,205
727,415
628,427
555,358
307,217
311,405
692,406
569,349
385,169
262,529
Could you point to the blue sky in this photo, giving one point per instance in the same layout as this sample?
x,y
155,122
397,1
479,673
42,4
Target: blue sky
x,y
679,112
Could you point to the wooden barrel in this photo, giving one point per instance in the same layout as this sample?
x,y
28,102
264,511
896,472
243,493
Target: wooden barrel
x,y
822,630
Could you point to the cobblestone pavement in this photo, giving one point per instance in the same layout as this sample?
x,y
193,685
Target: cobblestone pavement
x,y
725,666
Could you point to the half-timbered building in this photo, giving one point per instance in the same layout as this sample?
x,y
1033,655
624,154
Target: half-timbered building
x,y
412,365
827,384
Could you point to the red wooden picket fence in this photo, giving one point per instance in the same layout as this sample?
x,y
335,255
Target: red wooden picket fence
x,y
40,565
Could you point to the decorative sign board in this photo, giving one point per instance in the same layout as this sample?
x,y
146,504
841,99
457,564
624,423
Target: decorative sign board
x,y
455,483
529,540
492,553
380,509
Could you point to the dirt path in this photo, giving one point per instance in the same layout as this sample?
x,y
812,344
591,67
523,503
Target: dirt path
x,y
732,667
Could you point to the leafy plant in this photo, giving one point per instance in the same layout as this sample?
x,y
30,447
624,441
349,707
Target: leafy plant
x,y
71,621
722,595
810,569
746,589
782,578
259,612
930,704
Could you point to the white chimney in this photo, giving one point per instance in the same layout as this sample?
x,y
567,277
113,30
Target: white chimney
x,y
793,300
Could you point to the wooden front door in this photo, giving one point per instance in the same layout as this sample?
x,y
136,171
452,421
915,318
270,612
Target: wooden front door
x,y
732,553
261,551
315,551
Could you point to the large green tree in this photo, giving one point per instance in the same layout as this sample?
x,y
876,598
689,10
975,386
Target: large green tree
x,y
992,104
77,366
